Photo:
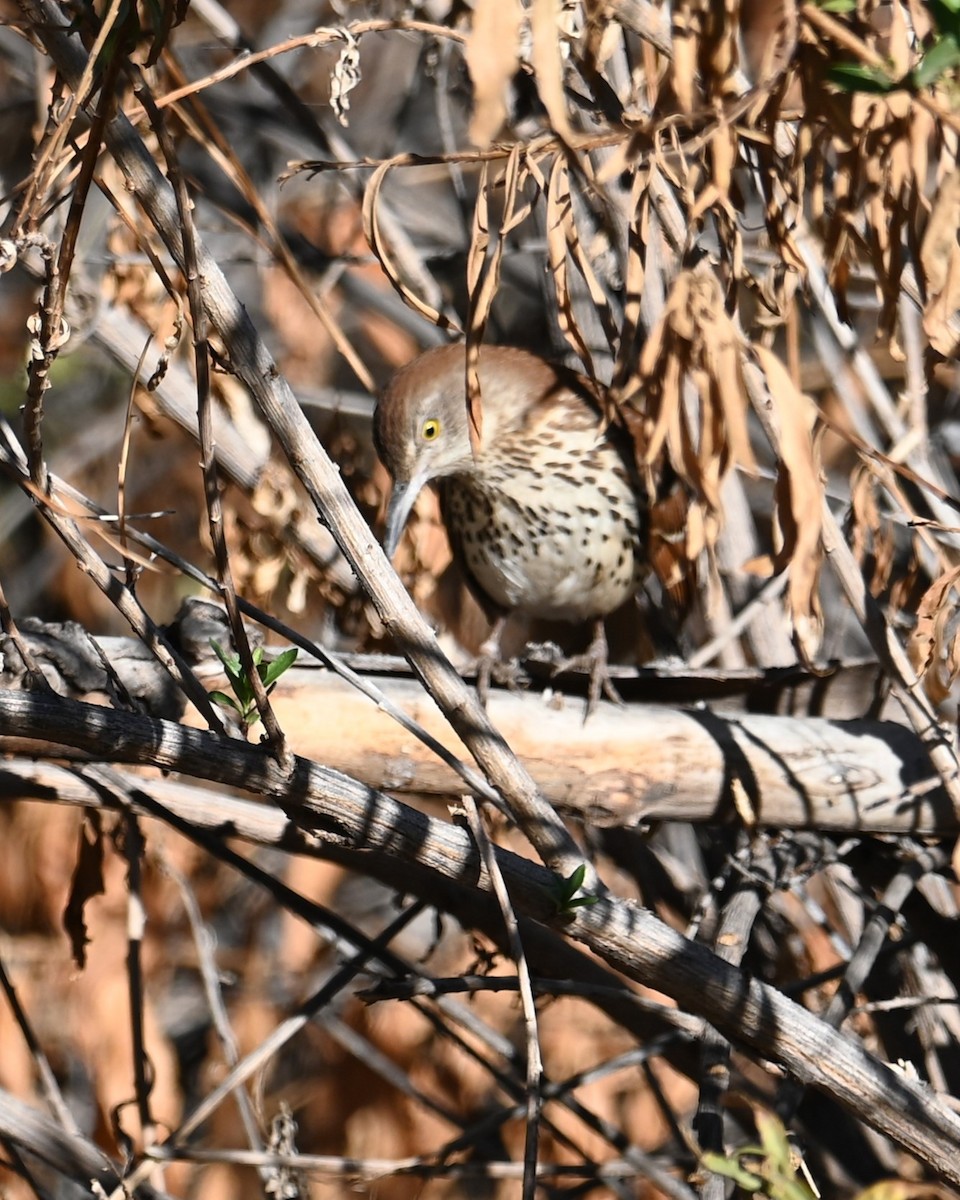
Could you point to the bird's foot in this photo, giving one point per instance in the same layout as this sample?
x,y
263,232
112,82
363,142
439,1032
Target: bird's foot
x,y
491,668
594,661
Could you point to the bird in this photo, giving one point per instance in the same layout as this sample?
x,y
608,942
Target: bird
x,y
546,513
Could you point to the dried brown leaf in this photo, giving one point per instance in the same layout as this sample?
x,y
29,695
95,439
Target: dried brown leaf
x,y
483,270
760,566
923,135
899,40
521,168
940,259
695,338
672,533
597,295
685,45
479,233
633,283
940,318
378,244
492,55
927,644
560,229
547,62
721,353
86,883
478,302
799,495
871,537
723,159
685,402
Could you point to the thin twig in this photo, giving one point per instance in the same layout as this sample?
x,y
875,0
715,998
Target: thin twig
x,y
133,847
208,462
534,1099
215,1003
48,1079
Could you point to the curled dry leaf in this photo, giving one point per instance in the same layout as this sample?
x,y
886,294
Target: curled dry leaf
x,y
693,350
560,229
880,149
492,55
378,244
799,498
483,265
672,535
940,259
927,645
480,268
547,62
598,296
638,232
719,62
87,882
345,77
684,404
685,44
872,540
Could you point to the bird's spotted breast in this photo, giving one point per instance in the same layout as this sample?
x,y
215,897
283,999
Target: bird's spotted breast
x,y
540,536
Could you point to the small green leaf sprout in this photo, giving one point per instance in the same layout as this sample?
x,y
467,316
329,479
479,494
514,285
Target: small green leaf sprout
x,y
243,701
563,893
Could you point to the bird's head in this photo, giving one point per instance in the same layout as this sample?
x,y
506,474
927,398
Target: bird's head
x,y
420,431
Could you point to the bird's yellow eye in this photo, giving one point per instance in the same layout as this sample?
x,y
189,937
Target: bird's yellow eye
x,y
430,429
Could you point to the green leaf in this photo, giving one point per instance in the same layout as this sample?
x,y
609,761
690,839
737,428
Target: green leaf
x,y
838,6
231,662
573,883
283,662
771,1171
225,701
857,77
776,1144
946,15
563,892
730,1168
942,57
220,652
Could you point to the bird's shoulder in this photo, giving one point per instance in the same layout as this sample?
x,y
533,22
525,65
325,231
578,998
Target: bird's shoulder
x,y
550,398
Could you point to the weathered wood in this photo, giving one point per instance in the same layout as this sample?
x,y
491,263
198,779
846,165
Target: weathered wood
x,y
640,762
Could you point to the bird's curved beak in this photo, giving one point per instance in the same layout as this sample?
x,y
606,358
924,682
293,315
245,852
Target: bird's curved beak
x,y
401,505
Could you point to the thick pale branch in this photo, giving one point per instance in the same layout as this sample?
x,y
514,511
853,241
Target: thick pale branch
x,y
641,762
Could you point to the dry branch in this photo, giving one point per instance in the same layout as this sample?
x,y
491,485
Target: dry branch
x,y
422,855
72,1156
641,762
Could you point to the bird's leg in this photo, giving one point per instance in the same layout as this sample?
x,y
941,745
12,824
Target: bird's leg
x,y
488,658
594,661
490,664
